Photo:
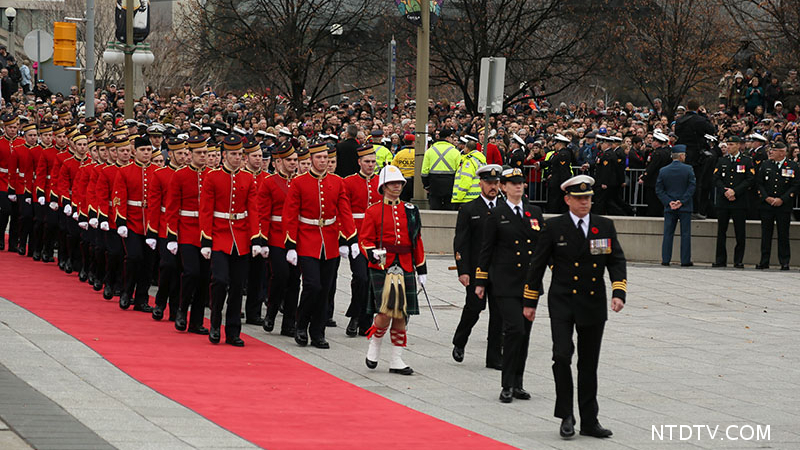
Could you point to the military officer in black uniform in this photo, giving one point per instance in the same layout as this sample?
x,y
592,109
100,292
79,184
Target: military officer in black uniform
x,y
517,152
467,247
733,177
580,246
560,167
660,157
609,178
758,152
509,237
777,184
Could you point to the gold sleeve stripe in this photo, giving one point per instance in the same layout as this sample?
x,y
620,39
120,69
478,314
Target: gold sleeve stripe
x,y
530,294
481,275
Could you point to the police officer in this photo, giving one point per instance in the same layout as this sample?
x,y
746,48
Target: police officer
x,y
439,170
579,246
733,177
404,159
383,155
509,238
777,183
466,186
467,246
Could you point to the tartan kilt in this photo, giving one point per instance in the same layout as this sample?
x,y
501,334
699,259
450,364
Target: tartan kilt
x,y
377,277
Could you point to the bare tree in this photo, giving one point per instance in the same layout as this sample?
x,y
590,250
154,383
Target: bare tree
x,y
773,24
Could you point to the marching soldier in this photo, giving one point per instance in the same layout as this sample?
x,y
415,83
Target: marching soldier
x,y
118,156
96,237
131,190
303,161
469,235
733,178
229,235
777,183
362,189
64,147
439,170
579,246
45,179
214,156
24,157
70,198
391,240
509,237
284,284
257,276
9,208
318,220
183,235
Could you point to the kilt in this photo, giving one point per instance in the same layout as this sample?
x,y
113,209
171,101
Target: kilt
x,y
377,277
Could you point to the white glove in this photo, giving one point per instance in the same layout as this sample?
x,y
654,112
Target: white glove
x,y
75,215
12,197
291,257
122,231
354,250
265,252
68,210
172,247
83,225
93,222
41,201
344,251
104,226
53,206
206,252
255,250
421,279
28,200
150,243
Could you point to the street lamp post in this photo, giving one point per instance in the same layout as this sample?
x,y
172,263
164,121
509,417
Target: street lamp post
x,y
11,14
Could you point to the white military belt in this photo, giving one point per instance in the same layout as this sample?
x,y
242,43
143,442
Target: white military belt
x,y
318,222
48,177
228,216
163,209
2,170
358,215
21,174
186,213
134,203
276,218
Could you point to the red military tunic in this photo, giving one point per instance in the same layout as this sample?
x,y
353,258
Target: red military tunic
x,y
157,199
5,163
228,211
67,180
317,214
183,205
83,193
44,173
259,178
104,194
22,167
396,240
91,191
271,197
363,192
131,188
62,155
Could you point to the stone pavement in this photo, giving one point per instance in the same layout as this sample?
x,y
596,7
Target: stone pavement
x,y
694,346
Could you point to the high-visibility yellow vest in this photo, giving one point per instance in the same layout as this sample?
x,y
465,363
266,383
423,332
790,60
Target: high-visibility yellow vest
x,y
441,158
383,155
467,184
404,159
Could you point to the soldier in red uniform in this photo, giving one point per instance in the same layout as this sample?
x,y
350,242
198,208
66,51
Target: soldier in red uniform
x,y
70,198
45,229
229,234
183,234
119,152
9,209
24,157
82,201
284,284
390,237
131,188
362,189
169,287
318,220
97,236
257,275
64,152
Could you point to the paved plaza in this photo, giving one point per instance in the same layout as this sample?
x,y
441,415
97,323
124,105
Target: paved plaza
x,y
698,347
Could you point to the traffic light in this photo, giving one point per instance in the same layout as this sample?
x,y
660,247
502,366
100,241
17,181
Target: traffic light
x,y
65,38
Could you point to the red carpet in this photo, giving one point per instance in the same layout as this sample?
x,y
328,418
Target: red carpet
x,y
257,392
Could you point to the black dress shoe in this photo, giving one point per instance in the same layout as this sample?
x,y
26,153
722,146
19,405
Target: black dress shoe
x,y
21,251
738,266
90,279
213,335
235,341
506,396
404,371
362,331
83,276
47,258
257,321
37,256
60,265
301,337
458,353
288,332
665,264
68,267
596,430
495,366
521,394
124,301
180,321
98,285
321,343
690,264
201,330
108,294
352,327
785,267
718,265
158,313
371,364
762,266
567,429
144,307
269,325
330,323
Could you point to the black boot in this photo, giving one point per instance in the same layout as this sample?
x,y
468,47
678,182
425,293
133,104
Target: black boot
x,y
108,293
124,300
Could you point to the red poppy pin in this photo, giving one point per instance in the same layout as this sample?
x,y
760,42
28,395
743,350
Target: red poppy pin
x,y
738,160
595,230
527,213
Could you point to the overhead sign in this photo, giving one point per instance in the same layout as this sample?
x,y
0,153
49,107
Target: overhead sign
x,y
492,85
38,45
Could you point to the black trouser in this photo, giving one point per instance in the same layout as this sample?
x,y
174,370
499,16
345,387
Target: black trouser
x,y
51,231
99,253
256,278
195,280
589,339
555,199
441,191
408,190
723,216
654,206
39,220
169,282
25,222
13,224
516,334
87,250
769,217
139,259
705,186
609,201
284,288
74,244
317,278
359,290
5,214
332,290
115,253
469,317
228,273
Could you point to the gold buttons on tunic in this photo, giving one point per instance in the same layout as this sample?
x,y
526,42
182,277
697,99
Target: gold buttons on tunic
x,y
516,242
593,265
594,279
530,252
575,278
574,291
519,265
591,293
576,264
517,253
529,241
